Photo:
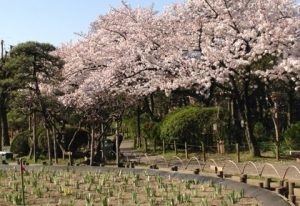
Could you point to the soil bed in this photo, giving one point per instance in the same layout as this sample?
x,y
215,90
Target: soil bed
x,y
76,188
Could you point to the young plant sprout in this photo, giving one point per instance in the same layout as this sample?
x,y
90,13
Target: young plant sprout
x,y
115,188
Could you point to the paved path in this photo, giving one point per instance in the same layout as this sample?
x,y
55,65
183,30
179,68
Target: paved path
x,y
276,169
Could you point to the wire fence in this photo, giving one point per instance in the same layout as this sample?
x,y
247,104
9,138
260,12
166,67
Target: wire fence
x,y
210,150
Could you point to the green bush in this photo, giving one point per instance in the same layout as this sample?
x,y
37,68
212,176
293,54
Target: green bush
x,y
130,127
149,128
190,123
292,136
260,131
42,143
20,144
81,138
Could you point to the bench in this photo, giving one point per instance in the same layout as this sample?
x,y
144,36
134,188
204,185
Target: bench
x,y
6,155
294,153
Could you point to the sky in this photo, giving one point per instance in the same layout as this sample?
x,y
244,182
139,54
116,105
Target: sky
x,y
56,21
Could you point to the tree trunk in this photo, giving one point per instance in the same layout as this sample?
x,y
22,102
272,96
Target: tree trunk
x,y
151,104
54,145
49,146
251,140
145,145
291,100
243,99
4,124
117,144
0,136
92,145
276,128
139,127
238,132
101,144
100,149
34,137
74,136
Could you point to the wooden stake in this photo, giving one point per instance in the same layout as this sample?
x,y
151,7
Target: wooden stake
x,y
164,148
237,148
186,150
203,151
22,180
175,148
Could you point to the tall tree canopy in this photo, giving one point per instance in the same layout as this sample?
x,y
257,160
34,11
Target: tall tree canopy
x,y
36,69
238,46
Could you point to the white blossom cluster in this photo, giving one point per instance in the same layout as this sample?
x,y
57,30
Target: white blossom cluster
x,y
191,45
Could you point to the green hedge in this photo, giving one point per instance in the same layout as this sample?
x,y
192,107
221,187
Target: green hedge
x,y
149,128
20,144
190,123
292,136
81,138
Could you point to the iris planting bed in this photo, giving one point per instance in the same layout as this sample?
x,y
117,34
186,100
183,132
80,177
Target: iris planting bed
x,y
70,188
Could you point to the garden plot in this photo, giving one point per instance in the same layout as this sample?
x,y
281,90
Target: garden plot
x,y
73,188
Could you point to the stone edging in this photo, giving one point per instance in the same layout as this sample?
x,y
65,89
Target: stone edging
x,y
263,196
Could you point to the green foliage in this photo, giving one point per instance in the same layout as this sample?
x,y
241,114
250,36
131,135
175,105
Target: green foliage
x,y
260,131
16,119
149,128
28,59
42,143
80,140
20,144
81,137
188,123
292,136
130,126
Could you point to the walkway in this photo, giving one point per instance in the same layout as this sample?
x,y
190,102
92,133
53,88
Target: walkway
x,y
276,169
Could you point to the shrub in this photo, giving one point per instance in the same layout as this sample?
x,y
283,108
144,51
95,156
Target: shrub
x,y
130,127
20,144
292,136
149,128
42,144
260,131
81,138
188,124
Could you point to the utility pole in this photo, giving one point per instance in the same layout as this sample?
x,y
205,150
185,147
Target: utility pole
x,y
2,49
1,62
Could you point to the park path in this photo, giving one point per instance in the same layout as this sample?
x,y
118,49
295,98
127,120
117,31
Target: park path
x,y
130,153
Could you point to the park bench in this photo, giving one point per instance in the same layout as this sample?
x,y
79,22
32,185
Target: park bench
x,y
294,153
6,155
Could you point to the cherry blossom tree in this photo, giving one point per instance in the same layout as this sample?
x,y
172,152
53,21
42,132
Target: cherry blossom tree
x,y
238,46
234,38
